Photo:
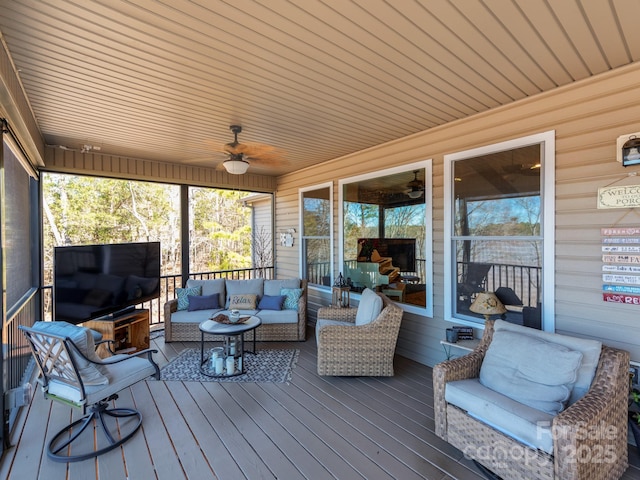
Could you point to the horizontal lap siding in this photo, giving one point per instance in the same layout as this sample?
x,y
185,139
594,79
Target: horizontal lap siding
x,y
587,117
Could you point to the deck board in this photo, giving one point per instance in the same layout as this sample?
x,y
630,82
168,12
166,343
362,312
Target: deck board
x,y
312,428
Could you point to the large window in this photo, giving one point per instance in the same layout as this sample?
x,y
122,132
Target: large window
x,y
500,233
385,221
316,221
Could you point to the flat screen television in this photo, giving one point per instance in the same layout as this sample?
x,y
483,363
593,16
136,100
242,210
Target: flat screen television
x,y
93,281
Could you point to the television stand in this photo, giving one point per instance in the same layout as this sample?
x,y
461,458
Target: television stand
x,y
129,331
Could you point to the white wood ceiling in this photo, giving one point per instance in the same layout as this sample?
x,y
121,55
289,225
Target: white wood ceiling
x,y
319,79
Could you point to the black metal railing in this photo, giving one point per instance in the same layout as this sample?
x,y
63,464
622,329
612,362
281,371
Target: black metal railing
x,y
524,280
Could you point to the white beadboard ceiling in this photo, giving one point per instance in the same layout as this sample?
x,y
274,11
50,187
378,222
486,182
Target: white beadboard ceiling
x,y
318,79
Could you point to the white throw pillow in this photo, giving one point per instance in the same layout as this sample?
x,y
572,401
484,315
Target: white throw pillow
x,y
369,307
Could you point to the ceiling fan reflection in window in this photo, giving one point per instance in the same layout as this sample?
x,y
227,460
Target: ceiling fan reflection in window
x,y
415,188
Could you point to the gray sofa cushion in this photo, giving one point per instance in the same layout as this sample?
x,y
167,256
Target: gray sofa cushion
x,y
590,354
526,424
278,316
529,370
209,287
273,287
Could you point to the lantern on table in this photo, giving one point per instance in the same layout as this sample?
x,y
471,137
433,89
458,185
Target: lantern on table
x,y
340,292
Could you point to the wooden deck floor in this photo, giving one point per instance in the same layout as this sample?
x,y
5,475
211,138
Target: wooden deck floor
x,y
311,428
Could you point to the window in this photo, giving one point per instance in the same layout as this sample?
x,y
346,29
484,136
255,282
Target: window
x,y
499,210
316,228
385,221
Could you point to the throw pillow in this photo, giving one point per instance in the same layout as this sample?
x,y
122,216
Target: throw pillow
x,y
369,307
271,302
183,295
531,371
203,302
246,301
242,287
292,295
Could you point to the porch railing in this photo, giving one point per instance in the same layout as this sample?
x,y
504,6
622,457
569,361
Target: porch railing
x,y
168,285
524,280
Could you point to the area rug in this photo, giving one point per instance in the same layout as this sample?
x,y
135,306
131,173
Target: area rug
x,y
265,366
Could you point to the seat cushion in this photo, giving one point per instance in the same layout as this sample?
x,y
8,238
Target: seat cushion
x,y
321,322
196,316
590,354
369,307
277,316
529,370
526,424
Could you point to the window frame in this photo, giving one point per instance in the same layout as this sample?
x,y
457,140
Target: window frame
x,y
547,223
302,263
426,311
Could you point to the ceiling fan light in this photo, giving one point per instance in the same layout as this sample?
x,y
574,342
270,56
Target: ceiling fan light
x,y
235,166
415,193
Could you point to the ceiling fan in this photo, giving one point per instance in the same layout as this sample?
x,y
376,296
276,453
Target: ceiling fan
x,y
415,188
242,154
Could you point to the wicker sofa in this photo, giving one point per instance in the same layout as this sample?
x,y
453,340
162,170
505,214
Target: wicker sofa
x,y
348,349
588,438
277,325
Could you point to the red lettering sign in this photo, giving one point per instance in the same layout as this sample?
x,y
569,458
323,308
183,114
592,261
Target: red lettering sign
x,y
621,298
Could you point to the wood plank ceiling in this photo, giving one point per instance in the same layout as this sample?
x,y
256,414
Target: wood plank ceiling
x,y
319,79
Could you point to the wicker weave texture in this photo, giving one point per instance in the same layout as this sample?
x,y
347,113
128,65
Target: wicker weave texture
x,y
590,436
364,350
276,332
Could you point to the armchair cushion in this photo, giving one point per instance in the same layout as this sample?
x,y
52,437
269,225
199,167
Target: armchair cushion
x,y
590,349
517,420
369,307
83,339
531,371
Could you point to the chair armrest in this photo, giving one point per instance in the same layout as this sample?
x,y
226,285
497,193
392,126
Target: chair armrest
x,y
170,307
344,314
594,428
121,358
461,368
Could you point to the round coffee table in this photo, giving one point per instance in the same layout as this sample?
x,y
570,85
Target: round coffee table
x,y
232,354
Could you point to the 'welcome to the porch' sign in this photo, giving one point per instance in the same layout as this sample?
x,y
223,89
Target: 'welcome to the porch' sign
x,y
626,196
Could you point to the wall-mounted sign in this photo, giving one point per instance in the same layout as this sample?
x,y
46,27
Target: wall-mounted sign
x,y
627,196
621,265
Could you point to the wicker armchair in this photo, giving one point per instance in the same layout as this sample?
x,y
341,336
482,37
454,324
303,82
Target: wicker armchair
x,y
362,350
590,436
